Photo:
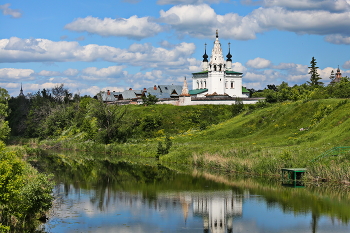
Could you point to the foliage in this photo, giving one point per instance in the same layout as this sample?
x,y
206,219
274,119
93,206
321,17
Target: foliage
x,y
315,77
19,110
4,126
340,89
24,193
149,99
164,149
111,123
237,108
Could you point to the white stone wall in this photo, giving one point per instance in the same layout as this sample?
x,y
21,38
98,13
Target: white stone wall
x,y
184,101
216,82
236,91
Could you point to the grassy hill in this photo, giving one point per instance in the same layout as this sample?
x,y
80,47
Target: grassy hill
x,y
260,140
263,140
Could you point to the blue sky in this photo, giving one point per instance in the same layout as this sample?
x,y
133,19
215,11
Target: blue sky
x,y
98,45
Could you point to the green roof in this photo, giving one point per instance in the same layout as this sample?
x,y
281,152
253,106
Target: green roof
x,y
197,91
227,72
233,72
202,72
244,90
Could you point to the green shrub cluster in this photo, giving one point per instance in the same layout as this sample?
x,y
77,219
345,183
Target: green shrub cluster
x,y
284,92
25,194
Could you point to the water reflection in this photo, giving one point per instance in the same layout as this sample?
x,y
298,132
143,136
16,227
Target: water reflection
x,y
119,196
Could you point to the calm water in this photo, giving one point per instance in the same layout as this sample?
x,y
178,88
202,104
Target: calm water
x,y
121,196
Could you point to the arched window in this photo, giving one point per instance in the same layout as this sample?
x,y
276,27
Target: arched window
x,y
197,84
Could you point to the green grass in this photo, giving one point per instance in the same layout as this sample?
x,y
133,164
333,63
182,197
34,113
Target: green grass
x,y
263,141
259,141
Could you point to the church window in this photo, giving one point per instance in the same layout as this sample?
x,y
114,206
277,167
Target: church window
x,y
232,84
205,84
214,67
197,85
226,84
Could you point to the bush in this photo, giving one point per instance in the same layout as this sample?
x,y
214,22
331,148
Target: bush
x,y
25,194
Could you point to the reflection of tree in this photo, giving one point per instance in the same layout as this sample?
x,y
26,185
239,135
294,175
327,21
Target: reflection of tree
x,y
314,221
108,176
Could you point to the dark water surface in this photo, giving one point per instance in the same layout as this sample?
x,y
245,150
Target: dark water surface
x,y
118,195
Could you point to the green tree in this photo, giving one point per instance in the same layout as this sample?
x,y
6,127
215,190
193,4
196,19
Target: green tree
x,y
19,109
315,77
340,89
25,194
149,99
110,120
164,149
4,126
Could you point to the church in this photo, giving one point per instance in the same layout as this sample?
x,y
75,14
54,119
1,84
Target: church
x,y
217,77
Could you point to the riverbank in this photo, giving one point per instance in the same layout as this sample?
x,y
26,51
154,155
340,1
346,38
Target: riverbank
x,y
258,141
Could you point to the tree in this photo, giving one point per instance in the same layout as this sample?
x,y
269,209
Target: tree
x,y
149,99
111,123
4,126
315,77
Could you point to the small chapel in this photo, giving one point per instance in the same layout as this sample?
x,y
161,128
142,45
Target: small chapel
x,y
217,77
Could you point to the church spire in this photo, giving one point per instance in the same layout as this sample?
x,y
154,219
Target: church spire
x,y
338,74
205,56
21,91
216,59
229,56
185,89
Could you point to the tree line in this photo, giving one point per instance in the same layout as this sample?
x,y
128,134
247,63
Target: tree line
x,y
312,89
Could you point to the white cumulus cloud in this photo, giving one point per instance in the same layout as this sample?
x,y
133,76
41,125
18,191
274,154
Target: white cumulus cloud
x,y
103,72
12,73
49,73
202,21
133,27
43,50
337,39
258,63
329,5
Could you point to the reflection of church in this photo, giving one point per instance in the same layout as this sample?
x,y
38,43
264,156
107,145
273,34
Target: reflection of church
x,y
218,210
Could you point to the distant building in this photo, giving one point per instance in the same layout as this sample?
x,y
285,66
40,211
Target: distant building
x,y
162,92
21,91
335,78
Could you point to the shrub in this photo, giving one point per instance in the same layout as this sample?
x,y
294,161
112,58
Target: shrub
x,y
25,194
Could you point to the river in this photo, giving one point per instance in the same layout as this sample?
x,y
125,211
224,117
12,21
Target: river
x,y
111,194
